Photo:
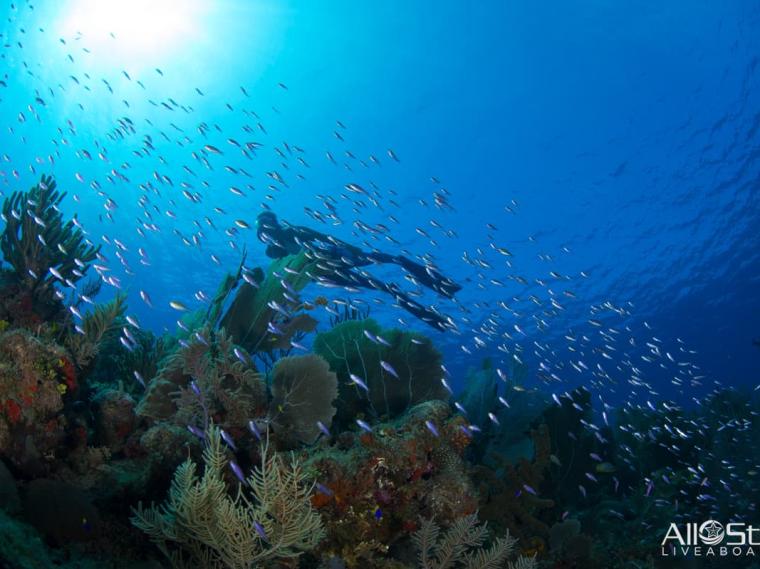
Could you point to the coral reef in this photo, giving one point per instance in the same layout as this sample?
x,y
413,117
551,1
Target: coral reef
x,y
61,512
399,369
461,546
374,487
509,495
114,419
9,498
479,395
36,376
37,244
205,381
97,327
573,445
303,391
203,524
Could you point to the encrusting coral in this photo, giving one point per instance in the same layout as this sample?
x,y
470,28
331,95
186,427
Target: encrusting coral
x,y
375,486
354,347
37,244
203,524
462,546
303,391
35,377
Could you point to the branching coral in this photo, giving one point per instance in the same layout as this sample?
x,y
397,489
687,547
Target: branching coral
x,y
96,326
116,362
462,545
204,524
353,347
231,392
303,391
36,241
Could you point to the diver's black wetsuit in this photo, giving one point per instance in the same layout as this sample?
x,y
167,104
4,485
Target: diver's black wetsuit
x,y
345,259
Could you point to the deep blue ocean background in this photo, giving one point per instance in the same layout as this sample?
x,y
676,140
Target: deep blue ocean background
x,y
626,133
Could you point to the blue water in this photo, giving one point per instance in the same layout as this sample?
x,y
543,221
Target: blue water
x,y
626,133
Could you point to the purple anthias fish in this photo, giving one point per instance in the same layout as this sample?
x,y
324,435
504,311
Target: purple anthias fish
x,y
359,381
237,471
196,431
432,428
389,368
321,426
240,355
370,336
260,530
227,439
254,429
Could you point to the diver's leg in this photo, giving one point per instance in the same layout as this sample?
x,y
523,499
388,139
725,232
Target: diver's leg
x,y
427,315
429,277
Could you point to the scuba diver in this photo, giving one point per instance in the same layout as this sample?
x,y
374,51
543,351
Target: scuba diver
x,y
345,261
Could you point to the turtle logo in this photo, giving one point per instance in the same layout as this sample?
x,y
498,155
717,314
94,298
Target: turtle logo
x,y
711,532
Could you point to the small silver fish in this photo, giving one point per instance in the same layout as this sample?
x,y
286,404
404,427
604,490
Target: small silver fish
x,y
227,439
323,428
389,368
359,381
260,530
237,471
254,429
432,428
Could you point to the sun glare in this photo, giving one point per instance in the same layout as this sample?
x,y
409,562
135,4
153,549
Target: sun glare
x,y
132,28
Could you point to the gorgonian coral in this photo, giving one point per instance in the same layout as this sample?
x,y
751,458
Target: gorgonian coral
x,y
462,547
267,517
399,368
303,391
262,318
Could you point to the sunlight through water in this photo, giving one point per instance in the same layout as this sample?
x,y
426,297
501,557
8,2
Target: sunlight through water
x,y
141,28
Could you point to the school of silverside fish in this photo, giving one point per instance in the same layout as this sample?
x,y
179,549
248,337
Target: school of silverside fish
x,y
301,413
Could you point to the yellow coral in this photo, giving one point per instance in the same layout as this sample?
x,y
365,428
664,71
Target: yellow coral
x,y
204,525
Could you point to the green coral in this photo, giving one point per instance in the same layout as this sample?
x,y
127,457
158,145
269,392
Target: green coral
x,y
36,239
203,524
254,307
97,326
349,350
